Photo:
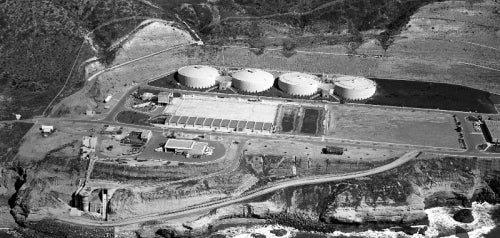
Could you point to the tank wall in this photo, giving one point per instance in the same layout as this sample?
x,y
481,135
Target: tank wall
x,y
354,94
196,82
252,86
298,90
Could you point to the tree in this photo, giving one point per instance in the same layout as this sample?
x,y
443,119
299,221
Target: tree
x,y
288,47
256,39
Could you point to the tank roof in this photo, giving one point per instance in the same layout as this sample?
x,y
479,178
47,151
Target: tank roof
x,y
297,78
253,75
198,71
354,82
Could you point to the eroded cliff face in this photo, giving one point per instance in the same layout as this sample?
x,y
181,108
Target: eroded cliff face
x,y
47,185
396,196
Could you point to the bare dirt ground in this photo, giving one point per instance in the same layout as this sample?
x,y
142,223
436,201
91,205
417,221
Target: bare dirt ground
x,y
35,146
393,125
119,80
155,35
280,159
314,151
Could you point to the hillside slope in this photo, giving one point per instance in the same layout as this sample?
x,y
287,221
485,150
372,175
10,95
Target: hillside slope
x,y
40,40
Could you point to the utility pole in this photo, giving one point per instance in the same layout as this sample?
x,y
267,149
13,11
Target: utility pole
x,y
223,62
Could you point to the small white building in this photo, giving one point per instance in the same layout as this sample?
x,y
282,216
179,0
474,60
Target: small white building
x,y
47,129
106,100
147,96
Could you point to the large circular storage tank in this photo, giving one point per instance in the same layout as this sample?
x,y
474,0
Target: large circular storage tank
x,y
252,80
198,76
298,84
354,88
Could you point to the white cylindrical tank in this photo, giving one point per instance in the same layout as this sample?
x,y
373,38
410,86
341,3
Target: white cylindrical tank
x,y
298,84
252,80
354,88
198,76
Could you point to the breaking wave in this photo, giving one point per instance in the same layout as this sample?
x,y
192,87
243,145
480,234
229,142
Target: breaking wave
x,y
441,224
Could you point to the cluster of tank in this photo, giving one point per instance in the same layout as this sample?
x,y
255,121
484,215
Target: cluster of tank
x,y
295,83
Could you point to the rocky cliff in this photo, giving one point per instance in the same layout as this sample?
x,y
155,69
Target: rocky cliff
x,y
47,185
397,197
394,198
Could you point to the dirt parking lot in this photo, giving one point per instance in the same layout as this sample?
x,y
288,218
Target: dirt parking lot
x,y
392,125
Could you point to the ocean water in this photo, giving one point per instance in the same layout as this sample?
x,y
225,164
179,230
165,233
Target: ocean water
x,y
441,224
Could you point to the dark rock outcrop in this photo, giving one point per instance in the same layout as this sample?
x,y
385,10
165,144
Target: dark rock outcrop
x,y
464,216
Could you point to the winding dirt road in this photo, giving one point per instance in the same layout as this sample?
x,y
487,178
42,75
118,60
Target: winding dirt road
x,y
254,194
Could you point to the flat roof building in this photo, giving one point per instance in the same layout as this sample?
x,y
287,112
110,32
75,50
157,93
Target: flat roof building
x,y
179,144
187,147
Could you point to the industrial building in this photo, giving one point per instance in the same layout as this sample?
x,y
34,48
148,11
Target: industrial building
x,y
219,124
354,88
298,84
198,76
493,133
188,147
252,80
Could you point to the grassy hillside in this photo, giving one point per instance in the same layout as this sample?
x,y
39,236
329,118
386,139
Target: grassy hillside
x,y
39,41
251,20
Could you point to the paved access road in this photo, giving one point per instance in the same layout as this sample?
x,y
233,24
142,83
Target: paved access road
x,y
254,194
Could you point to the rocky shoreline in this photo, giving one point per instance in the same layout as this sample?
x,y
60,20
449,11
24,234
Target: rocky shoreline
x,y
308,225
397,199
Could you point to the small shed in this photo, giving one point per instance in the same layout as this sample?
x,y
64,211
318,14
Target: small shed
x,y
333,150
165,98
47,129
